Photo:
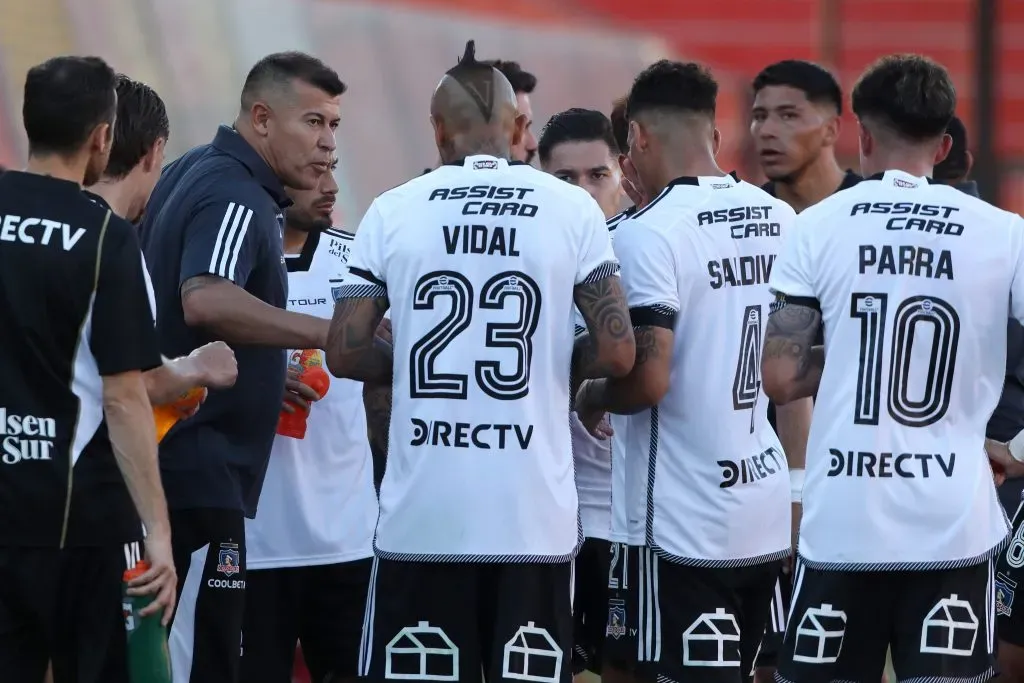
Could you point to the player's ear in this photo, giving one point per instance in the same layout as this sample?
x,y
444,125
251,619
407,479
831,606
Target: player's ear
x,y
716,141
866,141
945,144
518,129
832,130
259,118
154,155
102,138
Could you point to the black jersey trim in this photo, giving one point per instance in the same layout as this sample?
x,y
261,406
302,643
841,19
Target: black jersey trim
x,y
605,270
881,176
369,277
654,315
732,563
302,262
340,234
652,469
579,331
361,292
783,300
907,566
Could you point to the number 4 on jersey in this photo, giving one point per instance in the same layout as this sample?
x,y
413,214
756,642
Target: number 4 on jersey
x,y
746,383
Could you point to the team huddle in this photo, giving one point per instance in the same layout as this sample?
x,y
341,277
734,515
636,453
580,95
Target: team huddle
x,y
730,432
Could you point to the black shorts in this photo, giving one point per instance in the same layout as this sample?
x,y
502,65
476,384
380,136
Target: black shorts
x,y
775,629
205,639
590,604
439,621
697,624
939,625
1009,577
64,606
620,633
322,607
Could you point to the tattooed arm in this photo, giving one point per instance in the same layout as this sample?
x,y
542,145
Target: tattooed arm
x,y
377,405
791,365
608,347
645,385
354,350
234,315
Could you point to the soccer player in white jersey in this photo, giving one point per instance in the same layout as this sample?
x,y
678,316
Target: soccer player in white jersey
x,y
707,490
913,281
795,123
578,146
309,546
480,262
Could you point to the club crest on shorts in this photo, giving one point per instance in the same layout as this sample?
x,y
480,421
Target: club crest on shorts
x,y
1005,590
616,627
228,559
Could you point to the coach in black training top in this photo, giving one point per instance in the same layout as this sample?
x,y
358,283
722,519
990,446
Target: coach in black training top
x,y
212,239
78,335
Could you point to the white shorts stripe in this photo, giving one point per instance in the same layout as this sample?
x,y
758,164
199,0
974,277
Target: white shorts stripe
x,y
181,640
366,643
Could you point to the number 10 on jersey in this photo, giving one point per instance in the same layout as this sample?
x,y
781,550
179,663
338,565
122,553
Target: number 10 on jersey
x,y
506,382
932,400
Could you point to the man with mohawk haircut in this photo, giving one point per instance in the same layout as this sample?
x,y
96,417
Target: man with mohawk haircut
x,y
480,263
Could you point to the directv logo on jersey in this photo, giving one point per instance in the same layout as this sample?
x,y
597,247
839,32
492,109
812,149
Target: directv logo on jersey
x,y
38,231
889,465
15,429
466,435
748,470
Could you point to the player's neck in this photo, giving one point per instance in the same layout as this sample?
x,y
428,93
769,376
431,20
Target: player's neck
x,y
294,239
916,166
64,168
683,165
117,194
816,182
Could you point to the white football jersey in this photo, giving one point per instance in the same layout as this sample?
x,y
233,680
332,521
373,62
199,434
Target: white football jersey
x,y
914,282
707,481
593,457
318,504
479,261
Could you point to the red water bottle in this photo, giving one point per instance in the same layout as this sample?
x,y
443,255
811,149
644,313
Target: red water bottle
x,y
309,366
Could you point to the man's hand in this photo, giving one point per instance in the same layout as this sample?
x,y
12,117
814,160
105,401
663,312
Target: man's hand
x,y
160,580
384,331
297,395
595,421
1003,463
216,365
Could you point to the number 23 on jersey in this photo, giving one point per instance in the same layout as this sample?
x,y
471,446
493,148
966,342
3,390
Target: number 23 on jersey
x,y
507,379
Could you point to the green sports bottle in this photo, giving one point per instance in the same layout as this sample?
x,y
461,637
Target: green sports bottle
x,y
148,658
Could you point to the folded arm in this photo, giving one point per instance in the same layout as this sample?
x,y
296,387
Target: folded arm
x,y
791,364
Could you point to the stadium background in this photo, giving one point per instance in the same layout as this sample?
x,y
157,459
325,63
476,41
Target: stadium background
x,y
391,53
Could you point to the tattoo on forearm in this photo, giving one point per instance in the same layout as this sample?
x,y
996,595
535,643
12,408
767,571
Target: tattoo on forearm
x,y
791,333
377,403
603,305
198,282
646,344
352,343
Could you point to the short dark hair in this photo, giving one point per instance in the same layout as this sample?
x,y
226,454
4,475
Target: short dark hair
x,y
280,68
910,94
620,124
141,121
814,80
522,81
956,165
65,99
674,86
576,125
